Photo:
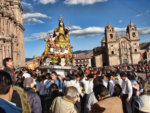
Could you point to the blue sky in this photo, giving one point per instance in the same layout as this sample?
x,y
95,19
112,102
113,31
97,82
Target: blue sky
x,y
87,19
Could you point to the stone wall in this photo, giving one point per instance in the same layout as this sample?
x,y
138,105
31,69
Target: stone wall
x,y
11,32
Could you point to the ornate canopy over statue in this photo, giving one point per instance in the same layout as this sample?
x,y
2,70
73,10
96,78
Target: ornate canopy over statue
x,y
58,48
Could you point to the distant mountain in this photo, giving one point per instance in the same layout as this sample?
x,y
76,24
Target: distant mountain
x,y
145,45
28,59
84,53
81,51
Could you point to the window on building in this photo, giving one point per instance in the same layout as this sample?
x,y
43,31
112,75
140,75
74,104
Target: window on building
x,y
112,52
134,43
135,50
111,36
111,45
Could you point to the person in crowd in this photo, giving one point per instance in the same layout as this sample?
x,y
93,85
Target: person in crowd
x,y
117,90
87,87
141,83
91,99
73,82
119,78
106,103
33,97
9,67
21,99
127,92
88,84
111,83
6,90
54,92
65,104
56,80
25,73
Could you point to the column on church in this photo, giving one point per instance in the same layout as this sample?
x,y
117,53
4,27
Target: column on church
x,y
8,26
7,51
1,56
0,23
3,52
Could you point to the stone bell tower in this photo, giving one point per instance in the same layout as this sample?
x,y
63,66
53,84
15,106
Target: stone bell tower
x,y
132,34
11,32
111,46
109,33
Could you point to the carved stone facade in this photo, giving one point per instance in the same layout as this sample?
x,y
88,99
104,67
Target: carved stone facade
x,y
11,32
116,50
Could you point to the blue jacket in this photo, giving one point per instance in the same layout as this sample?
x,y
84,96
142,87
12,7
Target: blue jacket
x,y
9,108
59,83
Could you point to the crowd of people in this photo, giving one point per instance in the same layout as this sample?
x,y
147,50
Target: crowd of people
x,y
84,90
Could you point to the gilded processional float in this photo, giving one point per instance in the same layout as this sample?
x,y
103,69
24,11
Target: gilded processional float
x,y
58,49
57,55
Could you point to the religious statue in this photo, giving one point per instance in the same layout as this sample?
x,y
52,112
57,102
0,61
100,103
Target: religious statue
x,y
58,46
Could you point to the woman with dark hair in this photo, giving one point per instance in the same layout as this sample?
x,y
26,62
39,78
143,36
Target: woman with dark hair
x,y
53,93
117,90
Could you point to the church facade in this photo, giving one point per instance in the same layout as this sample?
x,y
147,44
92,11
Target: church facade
x,y
11,32
116,50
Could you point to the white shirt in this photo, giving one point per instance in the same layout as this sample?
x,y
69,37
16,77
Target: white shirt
x,y
73,83
119,80
105,82
112,83
88,86
127,87
90,100
26,75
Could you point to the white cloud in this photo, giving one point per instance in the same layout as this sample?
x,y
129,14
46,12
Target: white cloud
x,y
87,32
32,17
27,5
28,20
82,2
47,1
144,31
36,15
78,32
117,29
75,28
39,36
120,21
138,15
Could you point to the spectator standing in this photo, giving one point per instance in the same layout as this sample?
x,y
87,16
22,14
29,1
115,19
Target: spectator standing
x,y
127,92
106,103
33,98
9,68
65,104
54,79
6,90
